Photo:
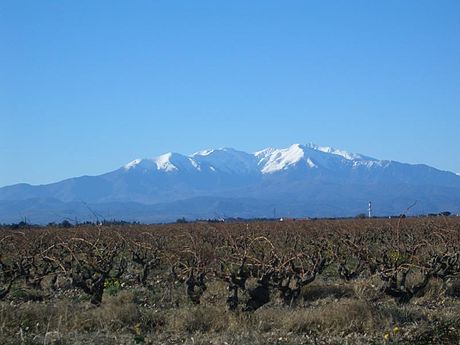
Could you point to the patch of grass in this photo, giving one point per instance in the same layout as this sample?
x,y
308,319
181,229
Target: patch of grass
x,y
152,320
198,319
440,332
25,294
346,316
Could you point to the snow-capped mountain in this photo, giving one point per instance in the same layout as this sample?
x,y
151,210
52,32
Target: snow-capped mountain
x,y
301,180
224,160
231,161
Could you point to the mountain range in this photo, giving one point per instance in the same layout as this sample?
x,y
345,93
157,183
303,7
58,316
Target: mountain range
x,y
298,181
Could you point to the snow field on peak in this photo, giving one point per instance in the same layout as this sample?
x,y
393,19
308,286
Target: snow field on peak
x,y
267,161
227,160
280,159
203,153
163,162
132,164
345,154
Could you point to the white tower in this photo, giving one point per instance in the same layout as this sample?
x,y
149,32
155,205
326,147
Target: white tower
x,y
370,209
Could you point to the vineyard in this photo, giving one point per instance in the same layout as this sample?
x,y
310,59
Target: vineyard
x,y
393,281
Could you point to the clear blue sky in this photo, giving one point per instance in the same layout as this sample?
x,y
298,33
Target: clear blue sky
x,y
86,86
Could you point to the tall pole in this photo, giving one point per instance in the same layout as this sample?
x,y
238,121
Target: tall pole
x,y
370,209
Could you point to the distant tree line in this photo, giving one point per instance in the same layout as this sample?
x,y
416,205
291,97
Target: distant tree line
x,y
67,224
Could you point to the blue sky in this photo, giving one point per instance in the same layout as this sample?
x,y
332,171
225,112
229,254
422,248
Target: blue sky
x,y
86,86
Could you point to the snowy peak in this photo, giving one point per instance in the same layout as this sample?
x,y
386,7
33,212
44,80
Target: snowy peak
x,y
141,164
168,162
164,162
311,156
345,154
273,160
226,160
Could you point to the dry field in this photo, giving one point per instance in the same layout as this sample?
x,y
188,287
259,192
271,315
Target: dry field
x,y
298,282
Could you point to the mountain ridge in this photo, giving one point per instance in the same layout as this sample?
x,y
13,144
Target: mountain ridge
x,y
296,151
299,177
